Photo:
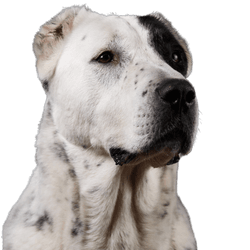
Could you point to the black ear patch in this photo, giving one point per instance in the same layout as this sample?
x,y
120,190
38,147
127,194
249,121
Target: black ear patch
x,y
164,42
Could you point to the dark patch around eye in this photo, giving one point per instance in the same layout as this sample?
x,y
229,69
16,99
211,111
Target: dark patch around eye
x,y
164,42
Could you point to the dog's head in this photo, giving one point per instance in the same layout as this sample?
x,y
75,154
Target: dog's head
x,y
119,83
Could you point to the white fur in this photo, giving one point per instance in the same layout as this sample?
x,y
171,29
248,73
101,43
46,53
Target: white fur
x,y
77,198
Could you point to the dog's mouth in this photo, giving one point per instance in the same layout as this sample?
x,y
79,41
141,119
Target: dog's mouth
x,y
165,149
121,156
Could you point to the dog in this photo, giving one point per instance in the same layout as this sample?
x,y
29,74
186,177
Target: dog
x,y
119,115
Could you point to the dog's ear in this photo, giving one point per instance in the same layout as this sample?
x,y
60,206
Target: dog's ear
x,y
49,41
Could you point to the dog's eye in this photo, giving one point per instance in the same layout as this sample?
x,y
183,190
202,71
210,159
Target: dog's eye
x,y
176,57
105,57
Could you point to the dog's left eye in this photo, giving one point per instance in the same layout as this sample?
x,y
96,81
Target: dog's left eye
x,y
105,57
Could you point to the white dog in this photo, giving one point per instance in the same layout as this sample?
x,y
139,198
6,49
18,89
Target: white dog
x,y
118,116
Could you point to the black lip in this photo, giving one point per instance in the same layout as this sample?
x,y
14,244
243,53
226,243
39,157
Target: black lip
x,y
121,156
174,160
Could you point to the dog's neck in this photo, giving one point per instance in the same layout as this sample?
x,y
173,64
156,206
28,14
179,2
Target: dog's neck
x,y
104,206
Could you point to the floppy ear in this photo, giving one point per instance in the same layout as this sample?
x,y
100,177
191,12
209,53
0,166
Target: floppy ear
x,y
178,37
49,41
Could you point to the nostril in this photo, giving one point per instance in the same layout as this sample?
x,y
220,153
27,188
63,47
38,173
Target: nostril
x,y
178,93
172,97
190,96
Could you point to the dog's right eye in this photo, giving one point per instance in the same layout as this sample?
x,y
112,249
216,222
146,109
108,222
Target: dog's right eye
x,y
105,57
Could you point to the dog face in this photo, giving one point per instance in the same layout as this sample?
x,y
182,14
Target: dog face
x,y
118,83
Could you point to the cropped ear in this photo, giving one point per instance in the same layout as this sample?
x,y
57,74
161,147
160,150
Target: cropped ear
x,y
49,41
178,37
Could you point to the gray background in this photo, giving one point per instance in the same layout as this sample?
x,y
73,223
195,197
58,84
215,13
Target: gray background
x,y
214,178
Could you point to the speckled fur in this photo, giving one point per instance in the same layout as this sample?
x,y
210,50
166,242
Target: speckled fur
x,y
77,198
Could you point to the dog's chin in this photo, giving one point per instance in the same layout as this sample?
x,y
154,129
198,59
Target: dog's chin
x,y
160,152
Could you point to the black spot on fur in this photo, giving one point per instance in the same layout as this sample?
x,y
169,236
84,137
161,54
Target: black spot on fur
x,y
164,42
144,93
166,204
60,151
77,227
164,214
84,37
86,164
75,206
49,109
87,227
141,69
42,220
136,82
72,173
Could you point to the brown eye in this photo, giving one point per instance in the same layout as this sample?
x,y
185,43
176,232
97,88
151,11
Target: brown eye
x,y
176,57
105,57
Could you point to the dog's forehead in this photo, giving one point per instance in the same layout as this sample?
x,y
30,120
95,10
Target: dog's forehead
x,y
96,33
103,27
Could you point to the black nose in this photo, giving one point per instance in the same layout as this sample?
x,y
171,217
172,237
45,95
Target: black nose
x,y
179,93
